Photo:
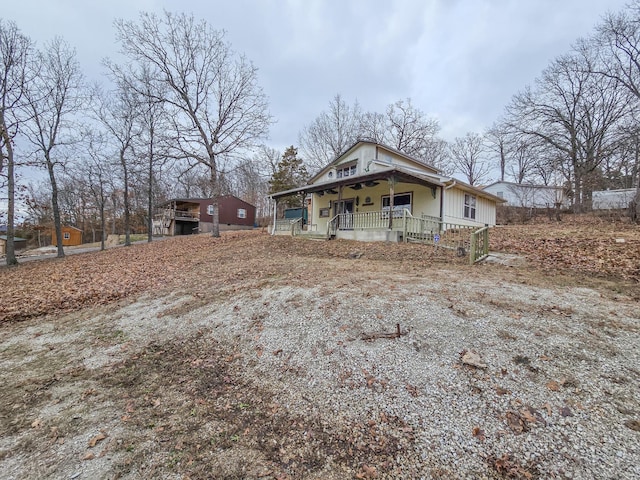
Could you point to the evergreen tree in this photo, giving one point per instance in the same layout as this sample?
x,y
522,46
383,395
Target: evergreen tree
x,y
290,172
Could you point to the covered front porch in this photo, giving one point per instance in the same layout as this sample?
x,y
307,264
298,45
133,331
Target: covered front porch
x,y
393,205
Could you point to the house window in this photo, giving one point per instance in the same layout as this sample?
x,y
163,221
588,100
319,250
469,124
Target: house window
x,y
209,209
349,171
469,206
242,213
500,194
67,235
400,202
324,212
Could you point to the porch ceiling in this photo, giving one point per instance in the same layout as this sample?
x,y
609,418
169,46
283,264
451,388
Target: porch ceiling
x,y
399,175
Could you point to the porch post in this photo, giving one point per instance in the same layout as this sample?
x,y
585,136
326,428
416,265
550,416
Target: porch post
x,y
340,207
442,189
275,213
392,181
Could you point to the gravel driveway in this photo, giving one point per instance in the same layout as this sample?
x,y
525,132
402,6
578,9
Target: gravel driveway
x,y
288,377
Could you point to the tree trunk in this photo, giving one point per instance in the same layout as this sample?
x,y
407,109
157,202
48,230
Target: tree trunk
x,y
127,216
634,207
150,190
11,252
103,224
57,225
215,190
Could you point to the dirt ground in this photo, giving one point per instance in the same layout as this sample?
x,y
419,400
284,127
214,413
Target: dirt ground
x,y
251,356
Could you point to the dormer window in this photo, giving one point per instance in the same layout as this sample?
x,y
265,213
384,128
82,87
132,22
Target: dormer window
x,y
347,171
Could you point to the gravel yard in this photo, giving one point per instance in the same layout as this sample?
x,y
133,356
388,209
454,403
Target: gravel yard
x,y
275,358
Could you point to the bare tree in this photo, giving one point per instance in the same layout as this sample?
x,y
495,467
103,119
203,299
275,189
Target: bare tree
x,y
617,42
118,112
497,140
96,172
409,130
155,124
217,106
331,133
15,52
466,155
54,97
574,112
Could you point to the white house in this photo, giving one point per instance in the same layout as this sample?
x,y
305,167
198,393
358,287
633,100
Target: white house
x,y
528,195
612,199
374,192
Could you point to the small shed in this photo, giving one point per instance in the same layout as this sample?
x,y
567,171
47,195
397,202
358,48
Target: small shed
x,y
70,236
18,244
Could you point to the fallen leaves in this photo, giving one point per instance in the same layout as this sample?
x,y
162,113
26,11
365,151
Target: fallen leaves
x,y
509,467
99,278
580,243
520,421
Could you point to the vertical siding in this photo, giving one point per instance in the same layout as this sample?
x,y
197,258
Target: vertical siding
x,y
454,209
75,237
228,215
227,212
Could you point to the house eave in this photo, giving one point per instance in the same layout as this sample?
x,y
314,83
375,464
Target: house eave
x,y
398,173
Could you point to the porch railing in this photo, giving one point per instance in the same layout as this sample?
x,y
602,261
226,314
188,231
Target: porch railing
x,y
464,239
332,226
291,225
479,245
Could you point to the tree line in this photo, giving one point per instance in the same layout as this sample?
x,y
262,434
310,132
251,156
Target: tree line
x,y
184,116
575,126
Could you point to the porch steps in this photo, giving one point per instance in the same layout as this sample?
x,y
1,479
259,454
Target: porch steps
x,y
313,236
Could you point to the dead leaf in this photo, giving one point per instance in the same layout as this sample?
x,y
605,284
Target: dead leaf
x,y
37,423
515,422
98,438
89,456
553,386
478,433
367,472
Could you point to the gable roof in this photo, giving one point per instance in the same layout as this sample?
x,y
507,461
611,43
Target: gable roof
x,y
522,185
15,239
418,163
419,172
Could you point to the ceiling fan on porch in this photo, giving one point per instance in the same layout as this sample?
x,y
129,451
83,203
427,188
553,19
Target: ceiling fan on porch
x,y
357,186
331,191
371,183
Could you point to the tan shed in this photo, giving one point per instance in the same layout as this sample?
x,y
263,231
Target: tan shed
x,y
70,236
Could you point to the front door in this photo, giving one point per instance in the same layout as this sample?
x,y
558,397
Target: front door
x,y
344,208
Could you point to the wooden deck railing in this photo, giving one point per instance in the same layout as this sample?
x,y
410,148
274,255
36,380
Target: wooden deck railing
x,y
464,239
479,245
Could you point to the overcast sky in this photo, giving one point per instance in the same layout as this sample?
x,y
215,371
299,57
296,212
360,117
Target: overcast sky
x,y
459,61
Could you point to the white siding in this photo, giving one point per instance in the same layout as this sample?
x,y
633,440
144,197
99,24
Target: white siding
x,y
454,209
610,199
529,196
